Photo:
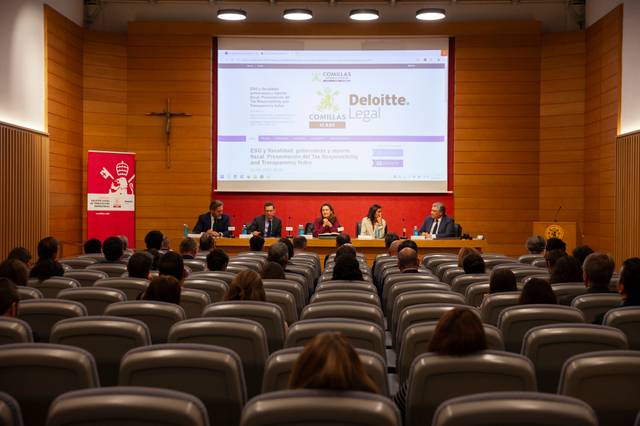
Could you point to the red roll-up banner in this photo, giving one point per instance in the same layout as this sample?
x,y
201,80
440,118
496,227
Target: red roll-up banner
x,y
111,206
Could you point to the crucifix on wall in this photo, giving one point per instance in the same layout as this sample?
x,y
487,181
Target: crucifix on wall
x,y
168,115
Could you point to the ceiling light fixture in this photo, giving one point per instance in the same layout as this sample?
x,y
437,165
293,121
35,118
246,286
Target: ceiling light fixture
x,y
297,14
431,14
232,14
364,14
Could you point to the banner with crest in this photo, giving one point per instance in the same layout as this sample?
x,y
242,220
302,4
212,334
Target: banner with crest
x,y
111,195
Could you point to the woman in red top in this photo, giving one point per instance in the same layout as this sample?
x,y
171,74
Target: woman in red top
x,y
327,222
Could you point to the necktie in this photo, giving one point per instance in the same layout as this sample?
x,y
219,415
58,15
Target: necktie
x,y
268,231
434,228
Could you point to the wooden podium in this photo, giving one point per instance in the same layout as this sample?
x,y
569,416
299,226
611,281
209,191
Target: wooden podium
x,y
566,231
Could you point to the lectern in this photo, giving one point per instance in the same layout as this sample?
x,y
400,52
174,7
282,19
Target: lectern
x,y
566,231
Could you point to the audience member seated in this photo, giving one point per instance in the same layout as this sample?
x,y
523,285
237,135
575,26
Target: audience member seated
x,y
287,242
9,298
256,243
171,263
566,270
388,241
327,222
537,291
473,264
345,250
555,244
464,252
502,280
458,333
112,249
139,265
329,362
47,266
343,239
373,225
166,244
597,272
273,271
408,260
164,288
217,260
188,248
347,268
247,285
278,253
206,243
22,254
408,243
629,284
299,244
552,257
393,247
581,253
15,270
92,246
153,240
535,244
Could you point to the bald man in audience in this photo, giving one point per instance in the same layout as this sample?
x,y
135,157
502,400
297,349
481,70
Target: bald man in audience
x,y
408,260
393,248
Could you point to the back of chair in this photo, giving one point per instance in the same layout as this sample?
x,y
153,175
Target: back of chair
x,y
225,276
626,319
51,287
419,297
402,287
215,288
195,265
608,381
86,277
495,303
193,301
295,288
78,263
14,330
42,314
304,407
128,405
476,292
346,295
26,293
514,408
285,300
114,270
158,316
594,305
461,282
346,285
352,310
95,299
529,258
131,287
10,414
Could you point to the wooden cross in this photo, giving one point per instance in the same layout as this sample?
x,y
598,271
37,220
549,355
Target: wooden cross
x,y
167,114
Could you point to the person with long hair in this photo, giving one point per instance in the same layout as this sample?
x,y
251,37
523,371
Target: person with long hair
x,y
537,291
327,222
247,285
165,288
374,225
347,268
330,362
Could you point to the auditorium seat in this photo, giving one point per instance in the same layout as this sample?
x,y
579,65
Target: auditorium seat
x,y
524,272
294,288
307,262
95,299
14,330
549,346
450,274
435,378
195,265
304,272
211,373
320,407
514,408
280,365
78,263
443,267
626,319
52,286
402,287
529,258
461,282
492,262
225,276
495,303
361,334
254,265
353,310
565,292
251,254
593,305
106,338
132,287
26,293
158,316
431,261
269,315
608,381
476,292
86,277
193,301
515,321
285,300
419,297
346,295
405,277
540,263
127,405
10,413
42,314
245,337
215,288
114,270
299,279
36,373
416,338
423,313
346,285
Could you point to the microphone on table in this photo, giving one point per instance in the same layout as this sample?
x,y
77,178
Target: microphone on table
x,y
404,229
555,217
289,226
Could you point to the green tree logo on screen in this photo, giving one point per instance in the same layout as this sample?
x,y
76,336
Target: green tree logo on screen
x,y
315,77
327,102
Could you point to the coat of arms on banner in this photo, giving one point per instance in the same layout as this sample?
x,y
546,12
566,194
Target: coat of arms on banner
x,y
120,185
112,186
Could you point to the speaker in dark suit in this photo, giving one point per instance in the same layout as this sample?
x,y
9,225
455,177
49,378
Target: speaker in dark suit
x,y
438,224
214,220
267,224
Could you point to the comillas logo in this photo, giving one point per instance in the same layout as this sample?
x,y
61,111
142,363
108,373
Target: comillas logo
x,y
331,77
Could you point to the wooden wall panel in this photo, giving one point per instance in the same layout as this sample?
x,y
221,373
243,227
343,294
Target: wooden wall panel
x,y
602,104
64,73
562,105
627,236
24,188
496,137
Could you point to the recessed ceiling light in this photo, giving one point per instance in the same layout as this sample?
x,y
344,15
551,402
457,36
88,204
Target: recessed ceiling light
x,y
364,14
232,14
431,14
297,14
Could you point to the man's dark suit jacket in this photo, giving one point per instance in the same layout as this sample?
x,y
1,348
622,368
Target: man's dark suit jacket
x,y
204,224
258,224
445,228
